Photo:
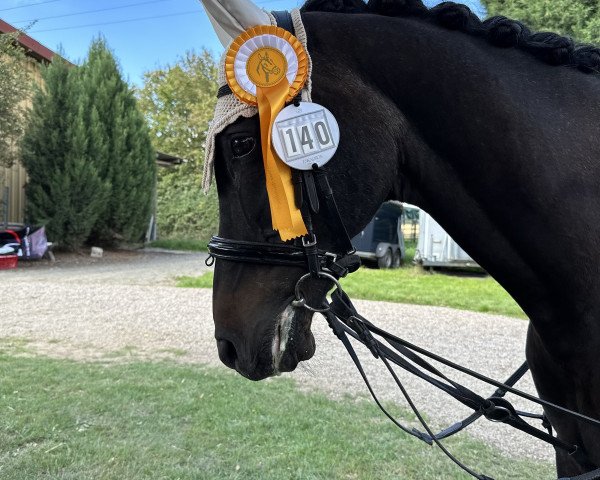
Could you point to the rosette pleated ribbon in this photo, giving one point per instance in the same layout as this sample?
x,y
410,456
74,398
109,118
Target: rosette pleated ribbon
x,y
267,66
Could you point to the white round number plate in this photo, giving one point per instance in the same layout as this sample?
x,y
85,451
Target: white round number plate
x,y
305,135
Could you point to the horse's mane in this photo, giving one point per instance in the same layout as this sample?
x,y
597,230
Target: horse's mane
x,y
500,31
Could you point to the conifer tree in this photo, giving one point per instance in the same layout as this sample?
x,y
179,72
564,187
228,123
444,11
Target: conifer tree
x,y
122,148
64,190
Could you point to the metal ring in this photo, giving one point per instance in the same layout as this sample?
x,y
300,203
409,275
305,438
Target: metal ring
x,y
301,301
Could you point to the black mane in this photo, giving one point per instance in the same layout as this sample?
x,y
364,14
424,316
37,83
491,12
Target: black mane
x,y
500,31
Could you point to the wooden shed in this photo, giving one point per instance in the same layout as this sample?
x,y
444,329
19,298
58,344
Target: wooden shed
x,y
12,180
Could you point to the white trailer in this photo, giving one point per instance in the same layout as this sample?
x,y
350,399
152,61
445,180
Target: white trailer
x,y
436,248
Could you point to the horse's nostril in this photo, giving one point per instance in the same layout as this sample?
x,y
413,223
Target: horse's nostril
x,y
227,352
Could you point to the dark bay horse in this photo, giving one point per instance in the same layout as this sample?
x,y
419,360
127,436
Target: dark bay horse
x,y
444,111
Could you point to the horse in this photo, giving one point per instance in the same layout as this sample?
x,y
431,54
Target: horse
x,y
267,67
442,110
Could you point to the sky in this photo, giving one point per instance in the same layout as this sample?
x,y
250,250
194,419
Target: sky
x,y
144,34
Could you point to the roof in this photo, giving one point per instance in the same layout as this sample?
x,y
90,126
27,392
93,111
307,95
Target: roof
x,y
32,47
166,160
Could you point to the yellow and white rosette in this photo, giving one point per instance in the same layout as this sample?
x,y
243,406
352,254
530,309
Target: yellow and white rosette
x,y
267,66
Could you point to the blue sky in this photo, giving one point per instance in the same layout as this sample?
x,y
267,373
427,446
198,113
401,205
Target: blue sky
x,y
144,34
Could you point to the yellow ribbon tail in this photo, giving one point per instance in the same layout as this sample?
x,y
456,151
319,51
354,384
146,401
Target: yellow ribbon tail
x,y
286,217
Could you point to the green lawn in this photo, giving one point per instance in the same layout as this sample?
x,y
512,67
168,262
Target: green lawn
x,y
412,285
203,281
180,244
76,421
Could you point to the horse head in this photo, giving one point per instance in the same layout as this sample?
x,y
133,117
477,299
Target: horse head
x,y
258,331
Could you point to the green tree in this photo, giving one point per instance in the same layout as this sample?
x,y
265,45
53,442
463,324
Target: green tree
x,y
64,190
178,102
579,19
14,87
121,148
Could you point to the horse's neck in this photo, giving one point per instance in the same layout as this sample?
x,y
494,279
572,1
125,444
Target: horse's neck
x,y
503,151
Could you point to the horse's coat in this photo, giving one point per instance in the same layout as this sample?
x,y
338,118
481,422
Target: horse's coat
x,y
444,120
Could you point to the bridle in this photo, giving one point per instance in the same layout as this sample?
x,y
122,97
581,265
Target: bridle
x,y
314,196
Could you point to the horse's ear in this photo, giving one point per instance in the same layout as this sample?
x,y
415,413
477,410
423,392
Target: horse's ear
x,y
231,17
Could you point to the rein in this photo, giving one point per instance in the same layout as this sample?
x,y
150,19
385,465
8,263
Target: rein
x,y
314,196
345,321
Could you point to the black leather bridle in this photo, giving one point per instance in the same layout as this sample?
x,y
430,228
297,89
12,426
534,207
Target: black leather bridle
x,y
314,196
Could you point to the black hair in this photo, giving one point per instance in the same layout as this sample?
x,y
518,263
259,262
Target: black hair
x,y
499,31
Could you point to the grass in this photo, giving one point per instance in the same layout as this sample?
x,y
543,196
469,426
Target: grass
x,y
65,420
179,244
203,281
412,285
409,254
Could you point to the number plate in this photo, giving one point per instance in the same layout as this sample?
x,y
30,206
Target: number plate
x,y
305,135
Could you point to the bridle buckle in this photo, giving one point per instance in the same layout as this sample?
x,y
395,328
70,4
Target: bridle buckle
x,y
309,240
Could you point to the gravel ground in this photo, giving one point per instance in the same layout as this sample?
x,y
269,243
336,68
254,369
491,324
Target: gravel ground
x,y
125,305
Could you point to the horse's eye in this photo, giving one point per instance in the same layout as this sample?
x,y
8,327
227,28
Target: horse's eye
x,y
242,146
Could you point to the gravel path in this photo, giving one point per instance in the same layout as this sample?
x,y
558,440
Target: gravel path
x,y
125,304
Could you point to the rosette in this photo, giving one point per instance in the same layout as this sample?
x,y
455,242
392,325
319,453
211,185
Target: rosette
x,y
267,66
262,56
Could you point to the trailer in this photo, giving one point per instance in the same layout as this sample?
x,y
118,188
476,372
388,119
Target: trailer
x,y
381,240
436,248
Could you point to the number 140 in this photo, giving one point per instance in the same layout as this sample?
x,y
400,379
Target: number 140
x,y
307,138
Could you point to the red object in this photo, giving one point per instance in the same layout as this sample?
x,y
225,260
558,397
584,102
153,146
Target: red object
x,y
14,234
8,261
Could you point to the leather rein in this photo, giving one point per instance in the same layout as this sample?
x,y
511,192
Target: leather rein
x,y
314,196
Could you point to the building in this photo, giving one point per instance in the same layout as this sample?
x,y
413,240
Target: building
x,y
12,180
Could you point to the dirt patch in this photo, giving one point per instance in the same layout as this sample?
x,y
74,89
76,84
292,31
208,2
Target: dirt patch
x,y
83,258
120,267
